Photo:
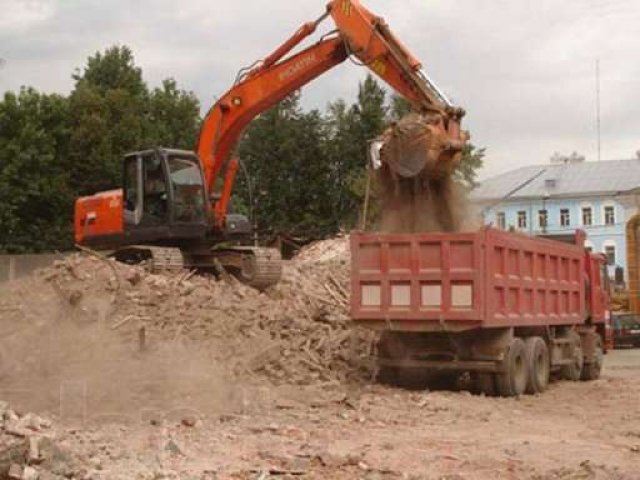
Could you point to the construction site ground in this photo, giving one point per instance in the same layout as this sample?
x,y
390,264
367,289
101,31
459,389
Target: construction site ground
x,y
574,431
181,415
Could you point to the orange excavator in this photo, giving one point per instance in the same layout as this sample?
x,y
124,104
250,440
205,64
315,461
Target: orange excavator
x,y
172,209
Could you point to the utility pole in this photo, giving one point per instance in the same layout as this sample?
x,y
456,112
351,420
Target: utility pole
x,y
598,121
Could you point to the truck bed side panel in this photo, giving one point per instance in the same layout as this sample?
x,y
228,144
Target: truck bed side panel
x,y
417,278
459,281
532,281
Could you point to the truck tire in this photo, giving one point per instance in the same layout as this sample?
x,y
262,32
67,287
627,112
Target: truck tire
x,y
592,370
573,371
512,382
537,355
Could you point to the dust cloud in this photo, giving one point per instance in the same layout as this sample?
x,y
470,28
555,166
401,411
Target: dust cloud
x,y
61,354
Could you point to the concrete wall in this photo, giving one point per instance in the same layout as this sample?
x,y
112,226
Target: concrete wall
x,y
13,267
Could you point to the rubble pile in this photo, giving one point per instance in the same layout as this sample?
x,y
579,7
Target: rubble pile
x,y
324,251
297,332
29,450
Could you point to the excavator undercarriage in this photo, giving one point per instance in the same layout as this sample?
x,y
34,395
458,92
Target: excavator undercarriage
x,y
257,267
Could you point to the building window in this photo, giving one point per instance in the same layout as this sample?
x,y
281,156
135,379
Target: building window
x,y
501,220
609,215
610,253
543,219
522,219
587,216
565,217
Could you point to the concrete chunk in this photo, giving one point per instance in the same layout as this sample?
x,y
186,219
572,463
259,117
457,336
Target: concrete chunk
x,y
15,472
30,473
34,450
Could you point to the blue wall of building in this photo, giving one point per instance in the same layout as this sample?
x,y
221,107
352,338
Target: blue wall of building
x,y
599,235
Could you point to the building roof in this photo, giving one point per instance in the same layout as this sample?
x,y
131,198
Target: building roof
x,y
562,180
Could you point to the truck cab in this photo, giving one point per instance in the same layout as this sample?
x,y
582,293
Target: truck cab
x,y
598,296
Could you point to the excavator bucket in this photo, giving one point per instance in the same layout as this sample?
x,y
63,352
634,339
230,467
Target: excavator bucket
x,y
419,145
415,160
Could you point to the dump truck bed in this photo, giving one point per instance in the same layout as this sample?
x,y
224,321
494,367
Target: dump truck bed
x,y
461,281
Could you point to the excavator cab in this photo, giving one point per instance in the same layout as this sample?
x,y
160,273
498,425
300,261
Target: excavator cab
x,y
164,197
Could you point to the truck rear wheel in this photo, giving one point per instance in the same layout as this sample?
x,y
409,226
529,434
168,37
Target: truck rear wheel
x,y
537,356
592,370
573,371
513,380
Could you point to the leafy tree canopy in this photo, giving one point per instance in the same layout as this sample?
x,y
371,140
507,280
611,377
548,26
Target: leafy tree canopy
x,y
34,189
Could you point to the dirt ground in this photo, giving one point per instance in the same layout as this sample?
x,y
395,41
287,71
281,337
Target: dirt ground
x,y
573,431
236,384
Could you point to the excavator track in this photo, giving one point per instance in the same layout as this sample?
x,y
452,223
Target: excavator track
x,y
167,259
257,267
157,259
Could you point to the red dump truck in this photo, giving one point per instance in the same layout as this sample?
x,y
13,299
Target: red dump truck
x,y
510,309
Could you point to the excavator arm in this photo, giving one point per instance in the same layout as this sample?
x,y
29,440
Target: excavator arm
x,y
360,34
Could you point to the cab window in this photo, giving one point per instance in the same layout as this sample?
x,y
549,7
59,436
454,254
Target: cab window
x,y
155,190
131,184
188,189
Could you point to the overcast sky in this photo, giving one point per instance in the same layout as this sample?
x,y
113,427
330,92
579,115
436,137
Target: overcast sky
x,y
524,70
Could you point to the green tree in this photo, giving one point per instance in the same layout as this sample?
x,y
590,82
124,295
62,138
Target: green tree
x,y
472,161
113,70
35,199
400,107
173,117
108,105
372,110
351,131
284,155
343,150
114,113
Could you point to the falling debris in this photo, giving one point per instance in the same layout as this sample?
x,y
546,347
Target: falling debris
x,y
417,189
